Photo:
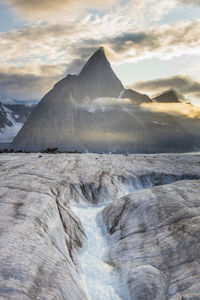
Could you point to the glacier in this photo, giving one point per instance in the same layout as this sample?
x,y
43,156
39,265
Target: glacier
x,y
142,212
99,277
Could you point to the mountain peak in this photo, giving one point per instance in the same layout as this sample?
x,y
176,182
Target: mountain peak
x,y
167,96
98,77
101,49
98,59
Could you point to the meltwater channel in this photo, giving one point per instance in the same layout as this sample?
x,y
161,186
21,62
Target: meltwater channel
x,y
99,278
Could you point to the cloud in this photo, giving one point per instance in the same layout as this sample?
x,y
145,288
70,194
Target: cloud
x,y
181,83
126,31
29,49
194,2
163,42
104,103
28,83
43,42
72,40
176,109
46,9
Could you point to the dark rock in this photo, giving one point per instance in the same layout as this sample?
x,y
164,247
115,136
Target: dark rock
x,y
4,118
136,97
51,149
167,96
19,112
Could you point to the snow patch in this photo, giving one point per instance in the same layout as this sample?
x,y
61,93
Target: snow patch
x,y
8,133
121,94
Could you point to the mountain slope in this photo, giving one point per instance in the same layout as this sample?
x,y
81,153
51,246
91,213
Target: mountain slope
x,y
88,113
19,112
12,117
136,97
167,96
4,121
97,77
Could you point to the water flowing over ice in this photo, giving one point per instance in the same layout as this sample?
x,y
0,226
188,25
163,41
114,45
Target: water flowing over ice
x,y
98,276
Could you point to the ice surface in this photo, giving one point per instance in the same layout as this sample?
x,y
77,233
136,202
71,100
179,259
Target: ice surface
x,y
41,235
99,277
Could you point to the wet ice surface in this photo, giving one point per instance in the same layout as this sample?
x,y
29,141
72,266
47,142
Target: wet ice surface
x,y
99,277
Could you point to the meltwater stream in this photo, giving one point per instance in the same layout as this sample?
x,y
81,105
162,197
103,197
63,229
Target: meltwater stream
x,y
99,277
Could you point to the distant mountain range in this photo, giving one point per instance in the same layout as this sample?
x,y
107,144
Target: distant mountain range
x,y
93,112
12,118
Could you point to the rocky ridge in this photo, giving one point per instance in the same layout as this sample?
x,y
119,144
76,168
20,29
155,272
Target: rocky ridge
x,y
169,96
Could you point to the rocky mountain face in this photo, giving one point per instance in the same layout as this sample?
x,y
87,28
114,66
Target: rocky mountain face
x,y
135,218
192,126
169,96
12,117
97,79
93,112
4,121
19,112
136,97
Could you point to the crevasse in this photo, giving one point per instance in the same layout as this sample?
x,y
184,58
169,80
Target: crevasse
x,y
99,277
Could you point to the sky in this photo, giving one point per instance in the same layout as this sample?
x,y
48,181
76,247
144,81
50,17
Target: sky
x,y
152,45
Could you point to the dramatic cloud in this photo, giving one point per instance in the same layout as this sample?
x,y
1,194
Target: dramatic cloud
x,y
163,42
176,109
38,9
67,32
69,41
47,9
182,84
53,42
70,46
28,83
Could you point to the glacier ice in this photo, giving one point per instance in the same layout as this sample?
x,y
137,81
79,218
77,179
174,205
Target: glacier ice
x,y
99,277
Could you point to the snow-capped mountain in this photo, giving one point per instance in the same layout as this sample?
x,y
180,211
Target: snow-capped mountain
x,y
93,112
4,121
12,117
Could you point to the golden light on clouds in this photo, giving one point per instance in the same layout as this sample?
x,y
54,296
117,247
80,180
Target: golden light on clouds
x,y
47,8
176,109
65,33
